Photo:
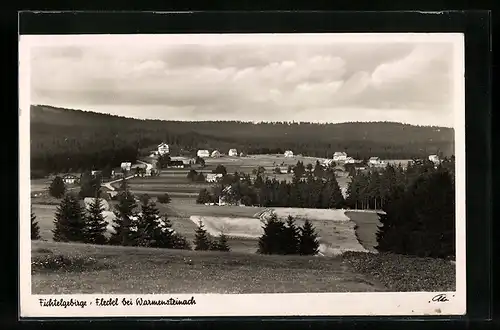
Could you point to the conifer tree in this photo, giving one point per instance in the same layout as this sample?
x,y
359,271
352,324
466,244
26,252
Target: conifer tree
x,y
222,244
95,224
35,228
125,227
201,240
57,188
291,236
69,222
271,242
149,226
308,244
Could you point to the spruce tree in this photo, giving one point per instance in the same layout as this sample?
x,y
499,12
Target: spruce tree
x,y
291,236
308,244
35,228
202,241
57,188
149,224
125,227
271,242
222,244
95,224
69,222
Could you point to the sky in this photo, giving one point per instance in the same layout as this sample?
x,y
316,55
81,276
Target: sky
x,y
257,78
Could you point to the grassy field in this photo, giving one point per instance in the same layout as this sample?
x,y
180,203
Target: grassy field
x,y
63,268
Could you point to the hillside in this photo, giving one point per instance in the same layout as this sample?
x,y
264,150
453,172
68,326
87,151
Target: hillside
x,y
58,134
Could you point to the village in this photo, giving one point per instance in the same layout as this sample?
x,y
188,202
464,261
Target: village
x,y
282,167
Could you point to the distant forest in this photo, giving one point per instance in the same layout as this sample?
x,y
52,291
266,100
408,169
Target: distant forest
x,y
64,140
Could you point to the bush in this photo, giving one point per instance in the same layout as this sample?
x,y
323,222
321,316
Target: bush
x,y
204,196
164,199
220,169
57,188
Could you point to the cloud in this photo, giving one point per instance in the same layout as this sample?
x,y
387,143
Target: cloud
x,y
402,81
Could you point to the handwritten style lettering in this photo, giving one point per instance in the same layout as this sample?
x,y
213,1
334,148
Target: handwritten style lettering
x,y
440,298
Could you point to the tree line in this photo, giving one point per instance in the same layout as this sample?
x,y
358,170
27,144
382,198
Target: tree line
x,y
310,188
96,140
136,224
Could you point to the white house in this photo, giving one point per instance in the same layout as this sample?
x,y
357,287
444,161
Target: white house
x,y
328,162
215,154
374,161
70,179
288,153
434,158
339,156
126,166
163,149
213,177
232,153
203,153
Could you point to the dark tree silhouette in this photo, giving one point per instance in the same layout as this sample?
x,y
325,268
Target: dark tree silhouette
x,y
35,228
201,240
69,222
309,244
95,224
57,188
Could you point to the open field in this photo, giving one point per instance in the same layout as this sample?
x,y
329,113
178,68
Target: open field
x,y
303,213
109,269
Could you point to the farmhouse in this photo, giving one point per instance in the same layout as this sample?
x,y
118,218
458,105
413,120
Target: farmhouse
x,y
176,164
434,158
374,161
339,156
233,153
212,177
95,172
215,154
126,166
203,153
70,179
288,153
163,149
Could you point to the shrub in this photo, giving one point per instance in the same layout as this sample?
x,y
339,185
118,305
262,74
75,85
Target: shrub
x,y
57,187
204,196
220,169
164,199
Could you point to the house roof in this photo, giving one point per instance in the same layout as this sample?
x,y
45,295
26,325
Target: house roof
x,y
162,144
72,176
340,153
203,150
374,158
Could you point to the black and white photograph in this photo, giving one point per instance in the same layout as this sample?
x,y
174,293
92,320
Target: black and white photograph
x,y
242,174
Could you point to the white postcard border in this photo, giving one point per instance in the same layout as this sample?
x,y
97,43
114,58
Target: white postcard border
x,y
303,304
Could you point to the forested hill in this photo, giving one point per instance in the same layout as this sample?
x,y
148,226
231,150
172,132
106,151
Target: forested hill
x,y
62,133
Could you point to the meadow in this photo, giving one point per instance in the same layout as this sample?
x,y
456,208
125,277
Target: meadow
x,y
70,268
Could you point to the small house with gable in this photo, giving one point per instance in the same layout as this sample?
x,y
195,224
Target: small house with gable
x,y
70,179
339,156
232,153
288,153
203,153
163,149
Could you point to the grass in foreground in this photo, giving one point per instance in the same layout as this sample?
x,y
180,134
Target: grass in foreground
x,y
400,273
80,268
